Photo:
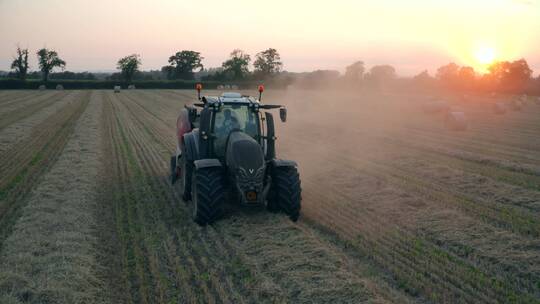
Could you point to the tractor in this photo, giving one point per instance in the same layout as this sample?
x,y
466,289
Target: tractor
x,y
226,152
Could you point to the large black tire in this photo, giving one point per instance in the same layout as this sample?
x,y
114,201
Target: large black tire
x,y
186,173
208,195
285,193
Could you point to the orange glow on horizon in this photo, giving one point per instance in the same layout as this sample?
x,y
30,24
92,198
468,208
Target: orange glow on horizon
x,y
410,35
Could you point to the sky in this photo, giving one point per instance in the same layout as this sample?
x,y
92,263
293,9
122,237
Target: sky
x,y
411,35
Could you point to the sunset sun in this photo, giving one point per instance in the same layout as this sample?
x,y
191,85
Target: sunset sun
x,y
485,55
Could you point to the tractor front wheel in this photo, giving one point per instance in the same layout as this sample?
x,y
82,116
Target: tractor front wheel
x,y
208,195
285,192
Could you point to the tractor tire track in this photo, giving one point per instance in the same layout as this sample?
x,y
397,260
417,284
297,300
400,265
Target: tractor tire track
x,y
128,137
110,249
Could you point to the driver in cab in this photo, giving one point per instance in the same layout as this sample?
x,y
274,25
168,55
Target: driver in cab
x,y
230,122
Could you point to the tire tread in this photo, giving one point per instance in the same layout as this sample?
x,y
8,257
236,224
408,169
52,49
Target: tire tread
x,y
210,195
286,193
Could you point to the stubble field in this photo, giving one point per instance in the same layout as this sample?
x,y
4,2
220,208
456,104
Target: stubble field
x,y
396,208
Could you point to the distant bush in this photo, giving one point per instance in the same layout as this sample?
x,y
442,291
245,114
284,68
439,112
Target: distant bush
x,y
15,84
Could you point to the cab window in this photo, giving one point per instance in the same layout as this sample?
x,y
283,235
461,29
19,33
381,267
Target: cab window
x,y
230,118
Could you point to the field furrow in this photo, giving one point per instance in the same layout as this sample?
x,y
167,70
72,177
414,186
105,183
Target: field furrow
x,y
21,110
50,255
25,162
10,97
395,207
21,130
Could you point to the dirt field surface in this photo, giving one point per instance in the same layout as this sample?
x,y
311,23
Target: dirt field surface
x,y
396,207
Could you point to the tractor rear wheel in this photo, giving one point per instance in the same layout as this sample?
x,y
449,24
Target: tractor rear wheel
x,y
285,193
186,172
208,195
174,170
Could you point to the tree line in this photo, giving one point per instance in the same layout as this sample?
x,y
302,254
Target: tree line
x,y
47,61
501,76
182,65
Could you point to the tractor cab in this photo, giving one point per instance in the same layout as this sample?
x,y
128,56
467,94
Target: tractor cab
x,y
234,114
229,113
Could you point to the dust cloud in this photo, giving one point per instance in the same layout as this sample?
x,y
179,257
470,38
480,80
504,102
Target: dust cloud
x,y
324,123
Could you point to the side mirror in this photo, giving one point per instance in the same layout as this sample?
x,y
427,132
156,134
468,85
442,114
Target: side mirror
x,y
283,114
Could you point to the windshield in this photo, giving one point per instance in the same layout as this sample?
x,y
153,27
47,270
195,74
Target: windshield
x,y
233,117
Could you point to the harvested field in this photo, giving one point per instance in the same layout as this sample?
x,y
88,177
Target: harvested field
x,y
396,207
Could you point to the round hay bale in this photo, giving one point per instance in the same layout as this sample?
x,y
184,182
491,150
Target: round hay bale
x,y
220,87
131,87
456,121
117,89
436,106
42,87
234,87
227,87
59,87
499,108
516,105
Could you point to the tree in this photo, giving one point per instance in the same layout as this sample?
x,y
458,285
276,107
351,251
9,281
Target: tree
x,y
355,72
423,81
267,63
129,65
236,67
212,74
510,75
456,77
48,60
20,63
423,76
168,71
448,73
466,77
71,75
184,63
380,76
381,73
317,79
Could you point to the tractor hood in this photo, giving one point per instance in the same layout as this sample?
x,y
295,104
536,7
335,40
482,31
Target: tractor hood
x,y
245,162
